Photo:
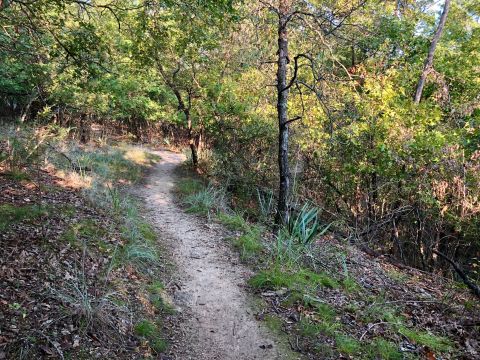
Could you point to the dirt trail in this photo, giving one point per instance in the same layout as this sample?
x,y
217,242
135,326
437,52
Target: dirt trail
x,y
220,323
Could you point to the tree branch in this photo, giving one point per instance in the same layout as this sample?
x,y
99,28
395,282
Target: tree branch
x,y
295,71
466,280
293,119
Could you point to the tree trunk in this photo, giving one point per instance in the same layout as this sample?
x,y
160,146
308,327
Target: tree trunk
x,y
84,131
431,51
186,111
191,140
282,111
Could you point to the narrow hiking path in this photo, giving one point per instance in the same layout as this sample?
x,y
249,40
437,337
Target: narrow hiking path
x,y
219,322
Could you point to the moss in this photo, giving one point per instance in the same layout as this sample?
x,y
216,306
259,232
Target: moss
x,y
274,323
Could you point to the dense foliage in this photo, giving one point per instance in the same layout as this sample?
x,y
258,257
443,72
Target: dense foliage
x,y
398,176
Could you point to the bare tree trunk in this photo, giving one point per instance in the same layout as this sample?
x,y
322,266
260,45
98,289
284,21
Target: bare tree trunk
x,y
84,131
26,111
282,111
431,51
186,111
191,140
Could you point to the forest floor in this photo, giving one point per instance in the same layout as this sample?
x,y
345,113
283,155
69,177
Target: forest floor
x,y
127,255
208,286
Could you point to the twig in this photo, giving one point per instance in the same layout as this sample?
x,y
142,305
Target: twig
x,y
54,344
370,327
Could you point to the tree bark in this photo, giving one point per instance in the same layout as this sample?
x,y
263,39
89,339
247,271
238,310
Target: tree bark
x,y
282,111
431,51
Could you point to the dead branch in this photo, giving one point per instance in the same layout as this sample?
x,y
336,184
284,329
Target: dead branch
x,y
466,280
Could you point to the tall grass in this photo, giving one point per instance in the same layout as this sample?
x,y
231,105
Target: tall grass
x,y
265,204
206,201
109,168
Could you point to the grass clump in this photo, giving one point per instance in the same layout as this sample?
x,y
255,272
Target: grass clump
x,y
147,231
384,349
139,254
140,248
347,344
202,202
233,222
381,312
322,310
397,276
146,329
311,328
249,243
150,332
300,279
350,285
156,296
272,279
10,214
436,343
89,232
17,175
189,186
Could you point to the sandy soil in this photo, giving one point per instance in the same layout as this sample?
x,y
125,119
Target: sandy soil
x,y
219,319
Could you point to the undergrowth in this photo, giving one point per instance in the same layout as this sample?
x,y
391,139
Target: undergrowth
x,y
122,246
291,269
10,214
